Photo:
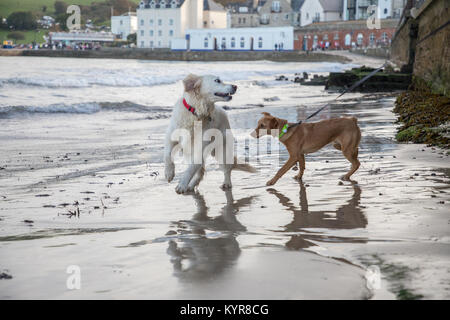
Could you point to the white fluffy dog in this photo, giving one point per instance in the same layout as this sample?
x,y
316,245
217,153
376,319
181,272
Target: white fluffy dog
x,y
197,107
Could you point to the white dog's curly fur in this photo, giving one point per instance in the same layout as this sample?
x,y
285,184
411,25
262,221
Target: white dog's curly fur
x,y
200,93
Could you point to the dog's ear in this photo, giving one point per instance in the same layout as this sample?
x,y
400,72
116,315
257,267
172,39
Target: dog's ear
x,y
273,123
192,82
266,114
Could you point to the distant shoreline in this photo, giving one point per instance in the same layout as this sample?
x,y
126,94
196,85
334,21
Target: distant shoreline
x,y
148,54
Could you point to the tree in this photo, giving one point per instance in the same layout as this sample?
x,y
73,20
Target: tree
x,y
62,20
121,6
132,38
16,35
3,25
60,7
22,21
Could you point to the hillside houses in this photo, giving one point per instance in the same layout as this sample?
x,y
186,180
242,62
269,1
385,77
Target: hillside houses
x,y
161,22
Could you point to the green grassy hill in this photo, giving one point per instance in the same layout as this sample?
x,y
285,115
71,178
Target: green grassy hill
x,y
30,36
36,6
9,6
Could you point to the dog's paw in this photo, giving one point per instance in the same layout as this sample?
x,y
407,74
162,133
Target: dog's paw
x,y
170,173
181,188
345,178
271,182
226,186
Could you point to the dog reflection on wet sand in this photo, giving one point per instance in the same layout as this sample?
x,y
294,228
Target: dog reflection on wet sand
x,y
201,257
348,216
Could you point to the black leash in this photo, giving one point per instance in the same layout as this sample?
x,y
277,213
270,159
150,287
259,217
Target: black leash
x,y
356,84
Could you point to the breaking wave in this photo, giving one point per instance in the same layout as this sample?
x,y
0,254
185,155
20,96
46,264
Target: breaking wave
x,y
88,82
87,108
139,78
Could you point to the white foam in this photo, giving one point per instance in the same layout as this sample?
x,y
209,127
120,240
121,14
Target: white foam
x,y
138,77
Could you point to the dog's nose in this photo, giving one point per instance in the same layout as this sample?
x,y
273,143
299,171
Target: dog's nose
x,y
234,88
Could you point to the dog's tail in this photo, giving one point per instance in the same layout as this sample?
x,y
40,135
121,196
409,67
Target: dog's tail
x,y
243,166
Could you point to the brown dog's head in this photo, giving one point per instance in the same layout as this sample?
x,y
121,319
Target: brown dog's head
x,y
265,125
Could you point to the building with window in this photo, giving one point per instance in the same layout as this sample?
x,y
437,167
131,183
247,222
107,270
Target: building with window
x,y
363,9
261,13
123,25
244,15
214,15
366,8
344,35
275,13
298,13
162,21
311,11
239,39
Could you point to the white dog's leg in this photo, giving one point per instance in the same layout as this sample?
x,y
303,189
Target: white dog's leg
x,y
227,176
169,165
228,142
197,178
183,185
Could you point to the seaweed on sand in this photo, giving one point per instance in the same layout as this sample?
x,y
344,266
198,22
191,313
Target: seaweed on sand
x,y
425,116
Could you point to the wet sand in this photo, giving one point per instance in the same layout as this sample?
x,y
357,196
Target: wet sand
x,y
134,237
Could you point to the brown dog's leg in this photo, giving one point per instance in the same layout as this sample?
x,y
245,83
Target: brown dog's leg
x,y
301,161
282,171
352,155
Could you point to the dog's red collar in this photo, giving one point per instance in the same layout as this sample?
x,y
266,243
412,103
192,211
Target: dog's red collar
x,y
189,107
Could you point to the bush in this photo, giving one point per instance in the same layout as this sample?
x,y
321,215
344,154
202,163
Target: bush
x,y
62,20
22,21
60,7
16,35
100,11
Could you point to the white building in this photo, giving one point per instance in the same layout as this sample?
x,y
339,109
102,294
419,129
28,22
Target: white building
x,y
237,39
311,11
162,21
124,25
214,15
363,9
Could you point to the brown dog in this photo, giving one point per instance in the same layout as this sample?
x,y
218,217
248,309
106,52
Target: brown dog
x,y
310,137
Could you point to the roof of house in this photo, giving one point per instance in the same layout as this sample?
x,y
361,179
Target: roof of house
x,y
297,4
331,5
167,3
234,6
128,14
210,5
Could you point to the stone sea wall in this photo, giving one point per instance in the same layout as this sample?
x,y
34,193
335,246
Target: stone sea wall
x,y
421,43
148,54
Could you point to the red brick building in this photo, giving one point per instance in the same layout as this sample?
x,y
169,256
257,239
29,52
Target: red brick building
x,y
343,35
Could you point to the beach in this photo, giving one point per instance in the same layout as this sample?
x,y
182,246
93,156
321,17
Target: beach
x,y
82,185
